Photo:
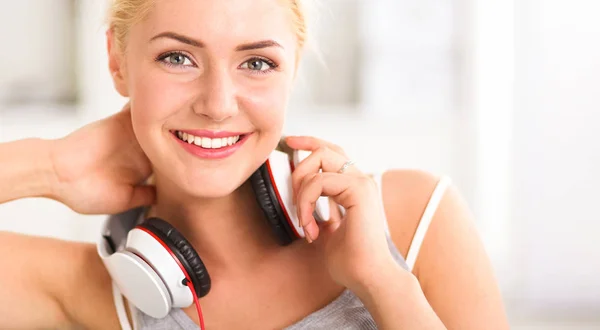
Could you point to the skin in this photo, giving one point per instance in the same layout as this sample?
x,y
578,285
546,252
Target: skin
x,y
266,286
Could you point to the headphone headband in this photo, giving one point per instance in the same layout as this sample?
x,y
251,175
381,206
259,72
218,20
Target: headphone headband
x,y
116,228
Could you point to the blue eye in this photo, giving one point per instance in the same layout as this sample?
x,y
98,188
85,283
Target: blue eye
x,y
256,65
176,59
259,65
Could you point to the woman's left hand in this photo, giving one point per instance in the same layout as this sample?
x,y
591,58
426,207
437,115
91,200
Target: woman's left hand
x,y
355,246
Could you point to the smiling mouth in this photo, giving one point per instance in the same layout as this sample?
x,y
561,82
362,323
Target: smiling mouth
x,y
206,142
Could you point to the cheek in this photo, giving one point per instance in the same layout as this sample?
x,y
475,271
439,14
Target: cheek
x,y
154,100
155,95
265,102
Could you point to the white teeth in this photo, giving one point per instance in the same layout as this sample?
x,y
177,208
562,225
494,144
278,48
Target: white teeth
x,y
198,141
208,143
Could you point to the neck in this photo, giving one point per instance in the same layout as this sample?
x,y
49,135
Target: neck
x,y
230,233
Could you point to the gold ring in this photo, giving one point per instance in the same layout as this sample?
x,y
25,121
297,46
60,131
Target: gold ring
x,y
345,166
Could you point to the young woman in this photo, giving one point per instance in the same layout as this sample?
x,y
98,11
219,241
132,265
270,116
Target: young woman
x,y
208,83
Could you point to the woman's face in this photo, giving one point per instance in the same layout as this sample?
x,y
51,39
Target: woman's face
x,y
217,70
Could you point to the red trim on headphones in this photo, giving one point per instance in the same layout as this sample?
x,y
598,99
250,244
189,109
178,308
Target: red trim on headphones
x,y
187,276
287,216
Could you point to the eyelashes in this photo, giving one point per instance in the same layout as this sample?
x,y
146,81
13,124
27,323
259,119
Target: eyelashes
x,y
172,59
180,60
258,62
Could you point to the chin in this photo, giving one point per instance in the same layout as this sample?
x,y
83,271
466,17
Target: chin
x,y
212,190
215,183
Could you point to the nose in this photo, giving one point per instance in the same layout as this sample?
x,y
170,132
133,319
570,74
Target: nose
x,y
217,97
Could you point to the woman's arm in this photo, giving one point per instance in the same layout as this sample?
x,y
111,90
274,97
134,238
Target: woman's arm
x,y
52,283
453,278
395,300
98,169
47,283
456,285
25,169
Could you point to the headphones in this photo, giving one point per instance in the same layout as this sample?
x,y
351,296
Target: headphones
x,y
156,268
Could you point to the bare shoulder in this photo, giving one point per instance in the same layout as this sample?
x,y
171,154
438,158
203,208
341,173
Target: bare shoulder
x,y
405,195
452,266
52,282
91,298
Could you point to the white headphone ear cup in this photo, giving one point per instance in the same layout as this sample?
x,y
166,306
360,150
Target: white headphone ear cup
x,y
158,258
139,283
281,175
322,212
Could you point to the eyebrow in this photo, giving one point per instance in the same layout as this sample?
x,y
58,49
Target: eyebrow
x,y
200,44
258,45
180,38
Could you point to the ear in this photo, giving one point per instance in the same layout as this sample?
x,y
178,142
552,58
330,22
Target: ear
x,y
116,64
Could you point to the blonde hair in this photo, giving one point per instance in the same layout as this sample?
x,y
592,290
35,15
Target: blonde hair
x,y
123,14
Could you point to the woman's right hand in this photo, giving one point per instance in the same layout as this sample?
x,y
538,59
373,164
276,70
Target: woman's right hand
x,y
101,168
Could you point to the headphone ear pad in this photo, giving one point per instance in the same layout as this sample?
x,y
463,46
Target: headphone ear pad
x,y
184,251
267,200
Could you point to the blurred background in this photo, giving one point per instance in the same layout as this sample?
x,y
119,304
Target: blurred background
x,y
503,96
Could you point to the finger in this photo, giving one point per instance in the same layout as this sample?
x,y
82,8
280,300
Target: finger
x,y
311,143
334,221
334,185
306,205
323,158
142,196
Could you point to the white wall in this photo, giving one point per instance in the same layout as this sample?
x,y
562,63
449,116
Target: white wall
x,y
35,61
412,46
97,95
486,142
556,156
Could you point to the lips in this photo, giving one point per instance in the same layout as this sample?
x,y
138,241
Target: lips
x,y
210,144
207,142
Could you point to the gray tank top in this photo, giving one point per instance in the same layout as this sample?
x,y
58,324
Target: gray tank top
x,y
345,312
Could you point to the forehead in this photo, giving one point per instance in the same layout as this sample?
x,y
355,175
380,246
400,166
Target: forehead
x,y
221,22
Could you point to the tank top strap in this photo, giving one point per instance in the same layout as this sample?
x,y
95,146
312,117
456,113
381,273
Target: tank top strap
x,y
423,224
425,221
